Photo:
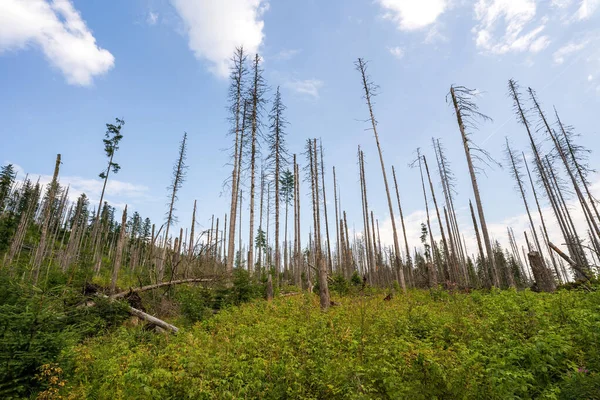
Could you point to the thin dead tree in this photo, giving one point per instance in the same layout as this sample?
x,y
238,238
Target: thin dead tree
x,y
448,257
329,259
256,97
277,160
179,174
408,259
370,91
447,180
542,219
119,253
370,253
237,89
47,214
467,115
433,272
516,172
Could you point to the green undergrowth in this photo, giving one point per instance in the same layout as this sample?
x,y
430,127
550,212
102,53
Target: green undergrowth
x,y
422,345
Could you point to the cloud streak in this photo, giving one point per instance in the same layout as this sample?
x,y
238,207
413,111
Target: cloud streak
x,y
215,28
60,32
412,15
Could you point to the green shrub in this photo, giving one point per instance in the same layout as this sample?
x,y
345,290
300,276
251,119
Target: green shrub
x,y
497,345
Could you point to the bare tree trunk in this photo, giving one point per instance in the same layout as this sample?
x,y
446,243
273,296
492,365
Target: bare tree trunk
x,y
453,230
39,255
329,259
370,258
408,260
337,226
479,246
544,230
260,216
439,218
518,178
486,236
433,278
253,153
119,252
237,89
191,247
542,275
368,93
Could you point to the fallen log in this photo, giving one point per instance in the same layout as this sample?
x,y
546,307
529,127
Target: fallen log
x,y
568,259
156,286
158,322
138,313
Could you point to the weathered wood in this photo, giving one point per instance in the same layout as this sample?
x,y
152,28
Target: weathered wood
x,y
568,259
269,288
158,322
543,278
157,285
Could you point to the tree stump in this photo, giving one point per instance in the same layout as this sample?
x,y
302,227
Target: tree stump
x,y
543,277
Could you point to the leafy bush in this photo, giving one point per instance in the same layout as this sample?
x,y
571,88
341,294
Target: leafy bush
x,y
39,326
496,345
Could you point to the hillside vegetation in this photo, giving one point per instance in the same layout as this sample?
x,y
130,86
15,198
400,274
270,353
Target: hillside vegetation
x,y
422,345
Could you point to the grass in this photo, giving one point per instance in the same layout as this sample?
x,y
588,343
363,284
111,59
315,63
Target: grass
x,y
423,345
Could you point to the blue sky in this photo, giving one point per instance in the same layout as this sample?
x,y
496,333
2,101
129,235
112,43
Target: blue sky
x,y
69,67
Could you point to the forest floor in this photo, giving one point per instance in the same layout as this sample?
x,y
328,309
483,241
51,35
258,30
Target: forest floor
x,y
421,345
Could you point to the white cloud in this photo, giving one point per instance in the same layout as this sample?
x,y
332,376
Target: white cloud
x,y
539,44
152,18
116,193
308,87
216,28
501,26
590,78
570,48
587,8
287,54
58,29
397,52
561,3
410,15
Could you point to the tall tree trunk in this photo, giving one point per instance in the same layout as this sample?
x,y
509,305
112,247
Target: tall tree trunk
x,y
337,225
191,246
484,229
253,153
237,75
439,218
329,259
39,255
119,253
370,257
433,276
368,93
408,260
539,208
479,246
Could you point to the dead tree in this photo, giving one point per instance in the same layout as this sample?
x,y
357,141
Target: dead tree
x,y
47,213
119,252
467,114
256,97
408,259
370,91
236,92
179,174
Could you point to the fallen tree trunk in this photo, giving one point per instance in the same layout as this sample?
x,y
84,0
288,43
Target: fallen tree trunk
x,y
158,322
156,286
140,314
568,259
